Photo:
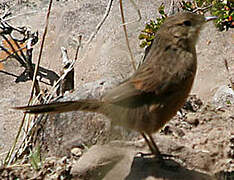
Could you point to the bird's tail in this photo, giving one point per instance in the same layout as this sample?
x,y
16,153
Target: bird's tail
x,y
58,107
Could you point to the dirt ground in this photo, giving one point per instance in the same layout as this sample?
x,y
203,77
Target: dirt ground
x,y
202,138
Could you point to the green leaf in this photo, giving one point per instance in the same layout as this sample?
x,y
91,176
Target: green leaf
x,y
35,158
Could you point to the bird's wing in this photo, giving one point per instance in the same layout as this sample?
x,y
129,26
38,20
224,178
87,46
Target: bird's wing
x,y
155,79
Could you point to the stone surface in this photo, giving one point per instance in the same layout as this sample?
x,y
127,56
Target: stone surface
x,y
108,162
224,96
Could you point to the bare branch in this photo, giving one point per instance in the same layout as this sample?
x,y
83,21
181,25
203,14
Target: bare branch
x,y
229,76
138,12
126,35
42,45
78,47
12,156
101,22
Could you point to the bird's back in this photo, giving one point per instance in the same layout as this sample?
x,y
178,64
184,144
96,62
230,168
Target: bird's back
x,y
156,91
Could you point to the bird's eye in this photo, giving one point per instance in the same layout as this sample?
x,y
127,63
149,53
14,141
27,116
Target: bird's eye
x,y
187,23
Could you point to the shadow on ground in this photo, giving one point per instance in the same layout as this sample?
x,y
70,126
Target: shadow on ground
x,y
43,73
109,162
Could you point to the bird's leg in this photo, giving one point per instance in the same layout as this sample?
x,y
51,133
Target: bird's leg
x,y
156,150
153,147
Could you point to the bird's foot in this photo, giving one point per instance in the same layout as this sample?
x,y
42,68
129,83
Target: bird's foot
x,y
156,155
163,160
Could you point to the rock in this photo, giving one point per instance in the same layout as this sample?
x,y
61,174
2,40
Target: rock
x,y
193,103
116,163
100,161
65,131
192,119
223,97
76,152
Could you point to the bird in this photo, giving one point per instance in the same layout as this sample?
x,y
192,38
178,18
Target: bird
x,y
148,99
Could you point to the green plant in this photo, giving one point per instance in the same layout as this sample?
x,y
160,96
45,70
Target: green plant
x,y
223,9
148,34
35,158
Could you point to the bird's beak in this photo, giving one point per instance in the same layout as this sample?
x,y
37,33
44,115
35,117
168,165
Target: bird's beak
x,y
210,18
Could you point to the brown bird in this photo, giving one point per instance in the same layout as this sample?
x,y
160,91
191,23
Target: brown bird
x,y
157,90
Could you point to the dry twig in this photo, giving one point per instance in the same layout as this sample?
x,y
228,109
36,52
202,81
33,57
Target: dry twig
x,y
229,76
126,35
13,156
138,12
101,22
42,45
78,47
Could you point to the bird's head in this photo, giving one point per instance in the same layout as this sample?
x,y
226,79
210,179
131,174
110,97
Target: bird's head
x,y
185,26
